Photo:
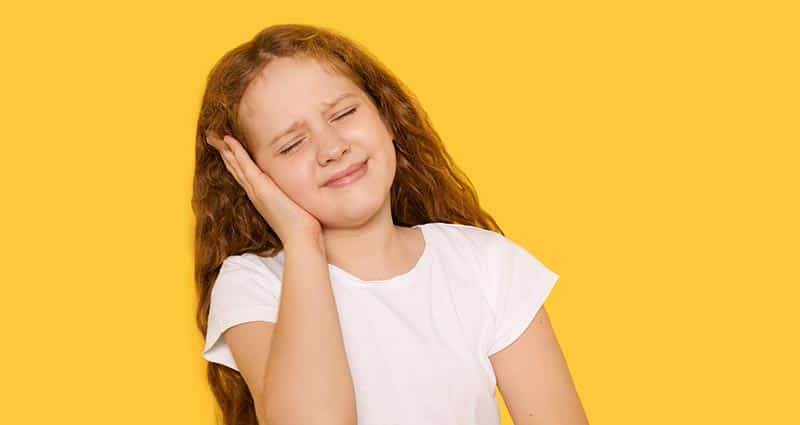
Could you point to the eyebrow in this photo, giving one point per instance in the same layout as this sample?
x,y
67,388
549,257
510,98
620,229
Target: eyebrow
x,y
297,124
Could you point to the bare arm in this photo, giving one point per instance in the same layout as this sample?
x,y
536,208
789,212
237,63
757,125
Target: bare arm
x,y
250,344
307,379
533,377
297,368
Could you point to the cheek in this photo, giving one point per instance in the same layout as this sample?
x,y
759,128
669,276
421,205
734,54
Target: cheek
x,y
294,181
391,153
383,163
388,156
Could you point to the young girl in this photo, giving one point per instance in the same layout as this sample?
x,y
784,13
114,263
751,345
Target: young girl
x,y
345,269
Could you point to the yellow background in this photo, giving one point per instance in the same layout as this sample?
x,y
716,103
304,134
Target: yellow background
x,y
645,151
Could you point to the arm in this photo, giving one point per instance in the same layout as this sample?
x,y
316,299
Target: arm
x,y
534,380
297,368
250,344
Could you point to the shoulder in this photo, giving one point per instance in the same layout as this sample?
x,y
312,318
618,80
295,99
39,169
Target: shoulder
x,y
466,235
249,271
248,261
492,250
468,247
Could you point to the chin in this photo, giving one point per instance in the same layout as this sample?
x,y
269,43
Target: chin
x,y
354,212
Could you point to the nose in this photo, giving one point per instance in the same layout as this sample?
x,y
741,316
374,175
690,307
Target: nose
x,y
332,146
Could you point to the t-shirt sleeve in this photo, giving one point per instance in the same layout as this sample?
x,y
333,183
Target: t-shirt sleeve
x,y
519,285
245,290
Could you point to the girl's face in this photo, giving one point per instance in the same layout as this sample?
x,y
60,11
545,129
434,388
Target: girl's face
x,y
332,124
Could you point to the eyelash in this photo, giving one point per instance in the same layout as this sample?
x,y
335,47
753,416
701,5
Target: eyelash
x,y
291,148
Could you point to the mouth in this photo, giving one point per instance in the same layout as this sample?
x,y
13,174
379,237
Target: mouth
x,y
354,173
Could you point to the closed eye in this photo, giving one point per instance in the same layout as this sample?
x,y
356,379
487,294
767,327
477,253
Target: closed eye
x,y
347,113
291,148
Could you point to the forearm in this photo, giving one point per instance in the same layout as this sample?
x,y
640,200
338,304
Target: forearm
x,y
307,378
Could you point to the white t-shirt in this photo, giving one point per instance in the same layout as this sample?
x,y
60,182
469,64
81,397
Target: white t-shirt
x,y
418,344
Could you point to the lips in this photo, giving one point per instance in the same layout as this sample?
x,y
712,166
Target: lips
x,y
347,171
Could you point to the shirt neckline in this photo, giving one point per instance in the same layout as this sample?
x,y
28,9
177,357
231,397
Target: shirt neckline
x,y
405,277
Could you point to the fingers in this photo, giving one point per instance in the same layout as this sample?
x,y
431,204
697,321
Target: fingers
x,y
248,168
214,140
228,157
237,161
230,165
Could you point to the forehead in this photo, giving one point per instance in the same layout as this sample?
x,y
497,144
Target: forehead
x,y
287,87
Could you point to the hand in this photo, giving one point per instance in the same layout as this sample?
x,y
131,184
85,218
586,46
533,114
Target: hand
x,y
289,220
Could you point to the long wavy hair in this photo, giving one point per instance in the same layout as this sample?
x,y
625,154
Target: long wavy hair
x,y
428,186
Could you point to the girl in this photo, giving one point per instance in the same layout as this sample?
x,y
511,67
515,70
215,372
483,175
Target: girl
x,y
345,269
